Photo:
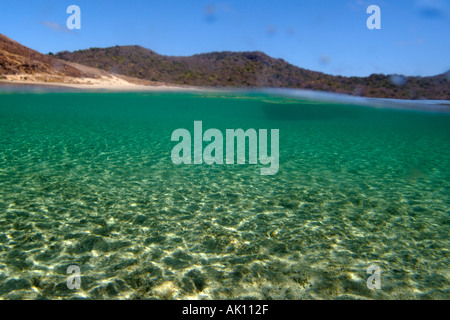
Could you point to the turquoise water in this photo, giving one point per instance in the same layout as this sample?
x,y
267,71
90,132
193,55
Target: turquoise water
x,y
87,179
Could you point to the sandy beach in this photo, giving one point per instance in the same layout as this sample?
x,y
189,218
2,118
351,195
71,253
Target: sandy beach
x,y
103,82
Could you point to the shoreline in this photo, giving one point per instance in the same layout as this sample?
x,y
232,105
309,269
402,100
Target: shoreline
x,y
97,85
116,84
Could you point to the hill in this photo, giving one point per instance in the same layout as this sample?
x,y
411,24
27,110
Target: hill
x,y
251,69
22,64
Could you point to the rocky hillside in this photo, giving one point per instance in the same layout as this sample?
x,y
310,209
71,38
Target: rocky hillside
x,y
137,65
16,59
19,63
251,69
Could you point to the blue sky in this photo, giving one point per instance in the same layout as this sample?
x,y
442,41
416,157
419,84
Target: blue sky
x,y
322,35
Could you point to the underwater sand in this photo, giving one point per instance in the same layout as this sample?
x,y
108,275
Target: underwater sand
x,y
87,179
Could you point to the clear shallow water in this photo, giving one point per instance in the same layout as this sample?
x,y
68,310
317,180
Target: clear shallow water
x,y
87,179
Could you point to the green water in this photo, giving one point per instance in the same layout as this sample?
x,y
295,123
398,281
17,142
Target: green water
x,y
87,179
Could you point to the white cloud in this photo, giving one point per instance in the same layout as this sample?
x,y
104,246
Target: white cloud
x,y
56,27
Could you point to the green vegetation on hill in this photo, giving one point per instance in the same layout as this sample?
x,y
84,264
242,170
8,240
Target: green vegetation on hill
x,y
251,69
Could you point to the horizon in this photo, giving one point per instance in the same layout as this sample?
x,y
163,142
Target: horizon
x,y
323,36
